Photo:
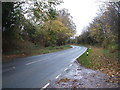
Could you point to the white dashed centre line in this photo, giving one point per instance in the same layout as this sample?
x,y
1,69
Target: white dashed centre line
x,y
32,62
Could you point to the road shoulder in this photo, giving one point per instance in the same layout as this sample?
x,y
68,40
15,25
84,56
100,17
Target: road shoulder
x,y
77,76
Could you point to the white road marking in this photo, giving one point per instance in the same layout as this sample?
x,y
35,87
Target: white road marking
x,y
65,69
32,62
78,56
73,60
70,65
41,60
35,62
58,76
45,86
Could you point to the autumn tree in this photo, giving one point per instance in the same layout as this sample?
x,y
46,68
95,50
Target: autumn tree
x,y
103,30
36,23
65,17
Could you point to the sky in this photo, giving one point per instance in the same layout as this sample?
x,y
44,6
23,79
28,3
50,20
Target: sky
x,y
82,11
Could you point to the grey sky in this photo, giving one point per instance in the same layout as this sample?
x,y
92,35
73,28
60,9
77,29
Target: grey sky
x,y
82,11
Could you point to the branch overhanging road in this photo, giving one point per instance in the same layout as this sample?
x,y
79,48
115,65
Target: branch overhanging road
x,y
37,71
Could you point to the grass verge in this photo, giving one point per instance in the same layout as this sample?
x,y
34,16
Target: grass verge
x,y
30,51
83,59
101,60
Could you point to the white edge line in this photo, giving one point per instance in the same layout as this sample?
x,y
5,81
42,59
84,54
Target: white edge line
x,y
65,69
79,56
58,76
70,65
46,86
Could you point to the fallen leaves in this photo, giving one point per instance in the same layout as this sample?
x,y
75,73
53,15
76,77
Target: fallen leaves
x,y
103,62
64,80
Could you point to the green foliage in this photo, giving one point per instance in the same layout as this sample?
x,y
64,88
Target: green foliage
x,y
84,59
42,26
11,24
57,33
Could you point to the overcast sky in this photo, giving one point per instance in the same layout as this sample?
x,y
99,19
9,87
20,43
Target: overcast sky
x,y
82,11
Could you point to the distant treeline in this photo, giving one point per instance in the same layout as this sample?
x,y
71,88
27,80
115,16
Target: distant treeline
x,y
104,30
37,23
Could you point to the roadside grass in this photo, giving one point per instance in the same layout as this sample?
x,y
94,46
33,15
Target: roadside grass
x,y
50,49
101,60
31,50
83,59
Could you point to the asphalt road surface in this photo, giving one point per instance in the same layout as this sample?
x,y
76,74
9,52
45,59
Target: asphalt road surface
x,y
37,71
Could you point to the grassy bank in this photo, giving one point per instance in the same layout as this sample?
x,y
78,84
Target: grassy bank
x,y
101,60
31,50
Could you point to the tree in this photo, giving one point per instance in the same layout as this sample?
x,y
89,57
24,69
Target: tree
x,y
66,19
11,23
103,30
39,24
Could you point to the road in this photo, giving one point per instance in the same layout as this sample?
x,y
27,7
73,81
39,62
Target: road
x,y
37,71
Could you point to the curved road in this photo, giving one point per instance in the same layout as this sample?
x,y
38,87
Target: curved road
x,y
37,71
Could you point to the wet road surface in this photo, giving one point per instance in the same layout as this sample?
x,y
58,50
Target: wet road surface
x,y
37,71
